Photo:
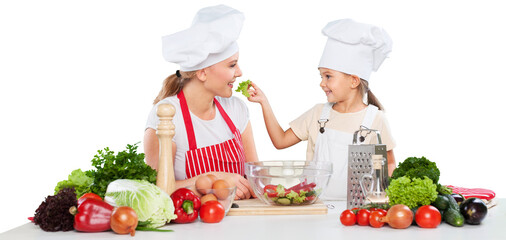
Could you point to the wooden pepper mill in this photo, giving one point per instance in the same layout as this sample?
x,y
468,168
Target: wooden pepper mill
x,y
165,131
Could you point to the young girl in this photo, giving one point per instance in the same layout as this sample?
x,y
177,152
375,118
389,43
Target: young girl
x,y
352,52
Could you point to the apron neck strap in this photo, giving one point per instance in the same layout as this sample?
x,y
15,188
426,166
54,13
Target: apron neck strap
x,y
192,142
225,116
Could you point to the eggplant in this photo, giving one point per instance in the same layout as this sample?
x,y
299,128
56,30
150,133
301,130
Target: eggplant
x,y
474,210
458,197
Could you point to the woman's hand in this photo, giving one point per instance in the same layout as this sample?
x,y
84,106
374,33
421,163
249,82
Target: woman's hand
x,y
256,94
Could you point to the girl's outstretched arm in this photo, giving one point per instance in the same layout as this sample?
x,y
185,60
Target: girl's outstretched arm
x,y
280,139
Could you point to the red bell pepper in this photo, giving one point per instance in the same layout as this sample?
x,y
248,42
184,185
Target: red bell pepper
x,y
92,215
303,186
271,190
186,204
87,195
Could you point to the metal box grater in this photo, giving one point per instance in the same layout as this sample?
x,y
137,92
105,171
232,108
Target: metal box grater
x,y
359,162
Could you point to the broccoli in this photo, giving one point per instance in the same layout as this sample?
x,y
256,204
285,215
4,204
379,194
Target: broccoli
x,y
414,167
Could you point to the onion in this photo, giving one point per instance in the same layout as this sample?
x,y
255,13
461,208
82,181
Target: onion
x,y
124,220
398,216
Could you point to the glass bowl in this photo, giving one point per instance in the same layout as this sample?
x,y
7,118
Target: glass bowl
x,y
288,183
224,195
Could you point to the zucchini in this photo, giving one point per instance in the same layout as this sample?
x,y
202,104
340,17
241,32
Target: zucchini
x,y
452,202
441,203
453,217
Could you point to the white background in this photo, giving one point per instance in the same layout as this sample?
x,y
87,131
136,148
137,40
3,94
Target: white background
x,y
79,77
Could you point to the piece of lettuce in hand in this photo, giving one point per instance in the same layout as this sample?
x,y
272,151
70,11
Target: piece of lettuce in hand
x,y
243,88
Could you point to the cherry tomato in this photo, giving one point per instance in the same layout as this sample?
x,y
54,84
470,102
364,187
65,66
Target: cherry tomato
x,y
212,212
363,217
88,195
428,217
348,218
355,210
374,219
373,209
382,210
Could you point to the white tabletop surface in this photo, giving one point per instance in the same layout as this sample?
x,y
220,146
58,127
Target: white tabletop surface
x,y
289,227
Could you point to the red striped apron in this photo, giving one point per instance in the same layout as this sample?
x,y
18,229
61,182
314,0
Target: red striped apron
x,y
227,156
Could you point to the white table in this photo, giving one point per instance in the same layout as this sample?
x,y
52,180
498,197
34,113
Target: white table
x,y
288,227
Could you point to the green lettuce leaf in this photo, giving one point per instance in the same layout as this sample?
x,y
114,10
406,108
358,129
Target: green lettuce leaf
x,y
78,180
243,88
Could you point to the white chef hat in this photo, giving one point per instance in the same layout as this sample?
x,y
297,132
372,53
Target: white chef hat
x,y
355,48
210,39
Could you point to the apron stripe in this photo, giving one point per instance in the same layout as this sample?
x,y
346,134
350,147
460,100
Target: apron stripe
x,y
205,163
210,157
215,156
222,160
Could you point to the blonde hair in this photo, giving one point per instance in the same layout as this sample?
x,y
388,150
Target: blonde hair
x,y
173,84
363,88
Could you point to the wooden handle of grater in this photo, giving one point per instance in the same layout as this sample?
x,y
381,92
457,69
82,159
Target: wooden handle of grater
x,y
165,131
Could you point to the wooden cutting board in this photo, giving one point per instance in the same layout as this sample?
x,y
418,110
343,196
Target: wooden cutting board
x,y
257,207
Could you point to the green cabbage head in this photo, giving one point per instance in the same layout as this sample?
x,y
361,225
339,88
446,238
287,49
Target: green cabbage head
x,y
153,206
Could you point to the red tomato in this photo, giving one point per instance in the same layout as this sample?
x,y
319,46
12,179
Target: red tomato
x,y
428,217
212,212
355,210
348,218
88,195
374,219
363,217
383,211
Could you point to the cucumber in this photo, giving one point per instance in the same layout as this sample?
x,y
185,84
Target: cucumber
x,y
453,217
452,202
441,202
283,201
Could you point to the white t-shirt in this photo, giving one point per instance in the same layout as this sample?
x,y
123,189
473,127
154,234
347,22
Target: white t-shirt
x,y
207,132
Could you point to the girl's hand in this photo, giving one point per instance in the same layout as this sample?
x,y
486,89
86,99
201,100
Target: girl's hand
x,y
256,94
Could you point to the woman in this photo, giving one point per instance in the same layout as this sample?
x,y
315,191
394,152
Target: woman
x,y
213,132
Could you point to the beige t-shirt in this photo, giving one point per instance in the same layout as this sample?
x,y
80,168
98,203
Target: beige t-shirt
x,y
306,127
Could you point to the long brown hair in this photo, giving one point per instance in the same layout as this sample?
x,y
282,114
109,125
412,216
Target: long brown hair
x,y
371,99
173,84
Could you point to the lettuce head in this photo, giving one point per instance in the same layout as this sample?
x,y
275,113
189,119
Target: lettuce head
x,y
153,206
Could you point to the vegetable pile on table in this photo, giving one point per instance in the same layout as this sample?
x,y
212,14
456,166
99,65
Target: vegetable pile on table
x,y
414,188
77,203
119,194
